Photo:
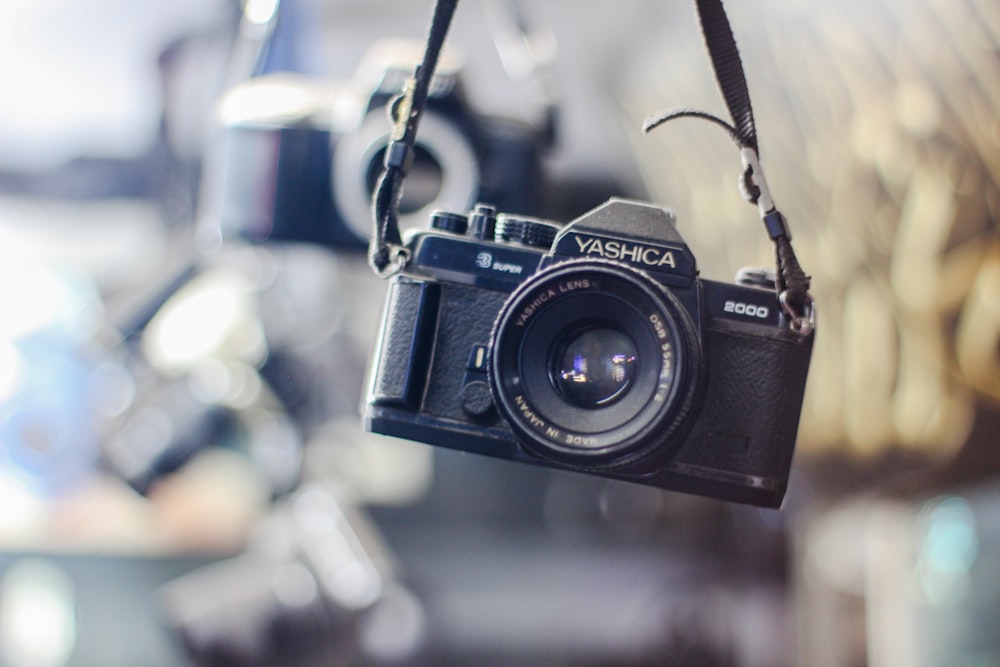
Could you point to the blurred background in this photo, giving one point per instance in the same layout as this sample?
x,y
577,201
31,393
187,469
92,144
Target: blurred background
x,y
187,316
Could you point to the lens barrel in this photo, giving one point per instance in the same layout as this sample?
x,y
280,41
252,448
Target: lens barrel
x,y
594,364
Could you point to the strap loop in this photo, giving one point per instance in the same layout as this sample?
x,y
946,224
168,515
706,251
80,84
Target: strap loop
x,y
399,155
776,225
389,260
802,317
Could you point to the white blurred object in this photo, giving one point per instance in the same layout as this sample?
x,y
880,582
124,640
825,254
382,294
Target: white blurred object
x,y
211,317
47,427
80,76
38,625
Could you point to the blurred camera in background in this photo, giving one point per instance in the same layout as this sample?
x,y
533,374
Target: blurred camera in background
x,y
297,156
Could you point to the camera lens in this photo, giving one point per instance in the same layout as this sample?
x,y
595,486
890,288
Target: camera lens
x,y
595,366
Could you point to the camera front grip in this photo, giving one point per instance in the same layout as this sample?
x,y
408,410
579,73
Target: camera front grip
x,y
405,343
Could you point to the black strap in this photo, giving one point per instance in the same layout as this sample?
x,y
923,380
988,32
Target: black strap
x,y
791,283
728,68
386,252
388,255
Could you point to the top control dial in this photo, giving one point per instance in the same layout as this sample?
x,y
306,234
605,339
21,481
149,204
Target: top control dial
x,y
447,221
528,231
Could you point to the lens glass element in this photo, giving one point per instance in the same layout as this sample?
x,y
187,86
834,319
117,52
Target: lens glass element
x,y
594,367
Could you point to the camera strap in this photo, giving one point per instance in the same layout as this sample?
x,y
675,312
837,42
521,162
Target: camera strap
x,y
387,254
791,282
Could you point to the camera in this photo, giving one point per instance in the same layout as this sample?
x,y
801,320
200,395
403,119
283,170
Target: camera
x,y
593,347
297,156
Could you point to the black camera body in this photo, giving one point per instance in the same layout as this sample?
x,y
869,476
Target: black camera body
x,y
593,347
298,156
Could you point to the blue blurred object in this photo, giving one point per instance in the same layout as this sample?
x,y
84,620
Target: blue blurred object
x,y
47,431
48,424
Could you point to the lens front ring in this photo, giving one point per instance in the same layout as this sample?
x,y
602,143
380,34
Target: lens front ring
x,y
641,418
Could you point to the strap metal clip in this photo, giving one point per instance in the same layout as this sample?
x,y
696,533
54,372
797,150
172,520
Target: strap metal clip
x,y
803,323
750,161
398,257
